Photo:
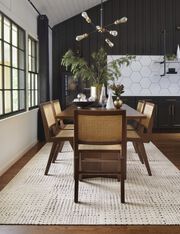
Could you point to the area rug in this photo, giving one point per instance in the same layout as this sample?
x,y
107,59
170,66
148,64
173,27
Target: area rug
x,y
32,198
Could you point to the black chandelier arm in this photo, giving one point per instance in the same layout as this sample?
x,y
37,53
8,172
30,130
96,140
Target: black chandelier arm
x,y
109,25
93,25
92,32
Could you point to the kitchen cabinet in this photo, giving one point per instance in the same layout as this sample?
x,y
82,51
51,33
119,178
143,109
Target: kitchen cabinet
x,y
167,112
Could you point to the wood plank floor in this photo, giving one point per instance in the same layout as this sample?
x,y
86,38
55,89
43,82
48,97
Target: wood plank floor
x,y
169,144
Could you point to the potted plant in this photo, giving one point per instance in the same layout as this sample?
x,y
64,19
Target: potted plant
x,y
99,72
117,89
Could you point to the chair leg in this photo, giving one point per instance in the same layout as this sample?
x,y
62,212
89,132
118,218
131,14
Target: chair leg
x,y
76,188
58,149
135,147
76,179
144,155
135,144
71,143
51,155
61,146
122,182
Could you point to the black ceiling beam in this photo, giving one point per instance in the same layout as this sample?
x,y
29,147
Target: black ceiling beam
x,y
32,4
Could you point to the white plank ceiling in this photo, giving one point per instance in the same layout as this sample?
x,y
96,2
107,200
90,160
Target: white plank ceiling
x,y
60,10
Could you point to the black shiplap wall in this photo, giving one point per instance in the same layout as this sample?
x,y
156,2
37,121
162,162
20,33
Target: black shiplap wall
x,y
140,36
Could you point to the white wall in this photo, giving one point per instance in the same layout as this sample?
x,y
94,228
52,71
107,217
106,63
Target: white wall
x,y
18,133
143,77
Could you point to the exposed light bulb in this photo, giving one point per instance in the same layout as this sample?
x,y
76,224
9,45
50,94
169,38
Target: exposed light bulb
x,y
113,33
81,37
109,42
86,17
121,21
98,28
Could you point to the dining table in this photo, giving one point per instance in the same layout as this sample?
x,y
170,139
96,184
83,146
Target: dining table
x,y
131,114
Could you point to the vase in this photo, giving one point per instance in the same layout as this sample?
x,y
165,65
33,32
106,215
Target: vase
x,y
110,104
93,92
102,99
118,103
96,91
178,53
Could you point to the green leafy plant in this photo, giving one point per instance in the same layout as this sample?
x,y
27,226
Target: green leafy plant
x,y
171,56
99,71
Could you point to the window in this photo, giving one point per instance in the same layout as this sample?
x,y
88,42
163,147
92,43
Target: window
x,y
32,73
12,67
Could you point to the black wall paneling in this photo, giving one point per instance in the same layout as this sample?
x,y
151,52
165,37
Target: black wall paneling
x,y
142,35
43,36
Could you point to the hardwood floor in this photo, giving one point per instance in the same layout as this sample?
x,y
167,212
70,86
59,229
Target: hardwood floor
x,y
89,229
169,144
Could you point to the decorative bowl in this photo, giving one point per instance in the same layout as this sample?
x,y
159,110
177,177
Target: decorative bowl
x,y
83,104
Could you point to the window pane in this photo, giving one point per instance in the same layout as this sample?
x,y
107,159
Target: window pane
x,y
14,35
22,100
32,96
29,98
0,26
30,64
35,82
7,78
0,77
1,103
15,78
33,65
15,100
29,45
0,52
21,39
21,80
33,49
29,80
21,59
36,97
7,27
7,59
7,97
32,81
14,57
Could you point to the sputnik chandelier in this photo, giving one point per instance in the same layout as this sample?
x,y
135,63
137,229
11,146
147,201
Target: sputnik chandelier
x,y
101,28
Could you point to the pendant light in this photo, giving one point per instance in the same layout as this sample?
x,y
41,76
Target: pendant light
x,y
101,28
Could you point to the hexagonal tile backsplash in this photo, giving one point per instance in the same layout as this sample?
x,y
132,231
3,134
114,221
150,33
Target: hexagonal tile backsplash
x,y
143,77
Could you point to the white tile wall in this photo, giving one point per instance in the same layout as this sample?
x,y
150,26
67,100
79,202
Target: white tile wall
x,y
143,77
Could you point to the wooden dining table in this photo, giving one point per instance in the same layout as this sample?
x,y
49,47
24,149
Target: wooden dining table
x,y
131,114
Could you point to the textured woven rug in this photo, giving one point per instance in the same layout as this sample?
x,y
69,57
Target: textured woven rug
x,y
32,198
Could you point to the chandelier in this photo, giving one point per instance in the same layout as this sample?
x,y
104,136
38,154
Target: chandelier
x,y
104,30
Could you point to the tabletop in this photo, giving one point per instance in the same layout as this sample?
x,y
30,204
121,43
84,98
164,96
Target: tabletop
x,y
131,113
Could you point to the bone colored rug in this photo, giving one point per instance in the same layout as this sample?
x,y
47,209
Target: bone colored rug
x,y
32,198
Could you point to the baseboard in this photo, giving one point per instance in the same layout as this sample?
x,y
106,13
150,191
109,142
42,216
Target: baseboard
x,y
16,158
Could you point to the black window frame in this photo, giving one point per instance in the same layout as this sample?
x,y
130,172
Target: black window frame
x,y
20,90
33,73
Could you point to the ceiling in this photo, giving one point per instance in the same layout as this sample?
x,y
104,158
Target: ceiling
x,y
60,10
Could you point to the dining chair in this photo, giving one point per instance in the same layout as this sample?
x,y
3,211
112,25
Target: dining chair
x,y
140,108
53,133
143,134
57,110
99,131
